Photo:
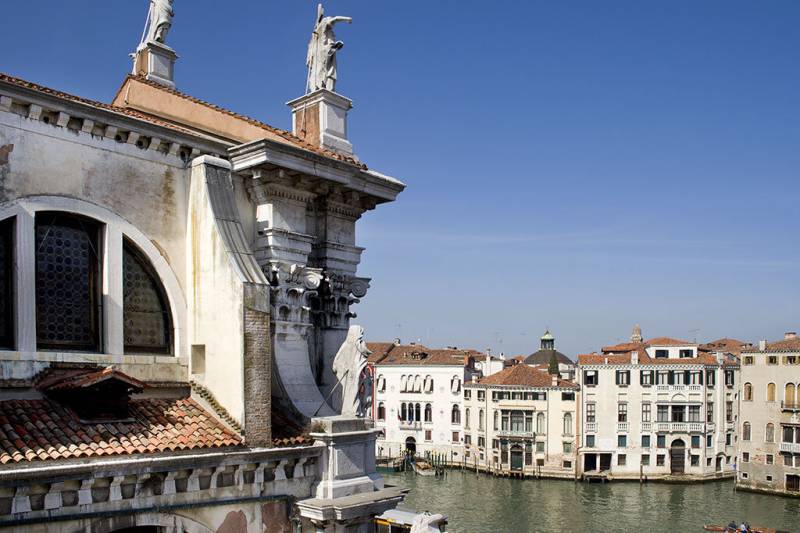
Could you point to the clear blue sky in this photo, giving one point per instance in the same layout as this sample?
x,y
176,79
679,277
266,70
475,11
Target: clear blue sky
x,y
580,165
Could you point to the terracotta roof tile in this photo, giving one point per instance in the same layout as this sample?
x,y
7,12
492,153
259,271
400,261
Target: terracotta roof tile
x,y
725,344
92,103
524,376
783,345
644,359
669,341
156,425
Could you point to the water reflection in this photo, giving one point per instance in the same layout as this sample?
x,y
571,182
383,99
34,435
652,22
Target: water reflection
x,y
484,504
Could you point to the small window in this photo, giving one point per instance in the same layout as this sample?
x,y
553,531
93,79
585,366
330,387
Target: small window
x,y
695,441
622,441
660,460
622,459
748,360
662,354
661,441
746,431
748,392
590,378
67,282
745,457
645,441
567,396
686,354
772,360
646,460
770,459
590,441
6,292
147,324
381,411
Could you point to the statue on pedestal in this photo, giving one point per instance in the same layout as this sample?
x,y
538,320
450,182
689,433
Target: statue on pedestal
x,y
350,366
159,21
321,58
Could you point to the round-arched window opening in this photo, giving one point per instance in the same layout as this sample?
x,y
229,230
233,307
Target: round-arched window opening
x,y
146,317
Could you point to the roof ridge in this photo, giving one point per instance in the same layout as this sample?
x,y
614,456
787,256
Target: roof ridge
x,y
252,121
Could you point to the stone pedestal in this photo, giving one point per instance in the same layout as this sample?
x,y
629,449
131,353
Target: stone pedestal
x,y
321,119
350,492
155,62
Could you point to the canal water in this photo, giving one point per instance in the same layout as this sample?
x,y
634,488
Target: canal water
x,y
485,504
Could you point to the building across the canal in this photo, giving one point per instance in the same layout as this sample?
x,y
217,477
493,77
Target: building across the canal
x,y
522,421
769,429
658,409
175,279
418,398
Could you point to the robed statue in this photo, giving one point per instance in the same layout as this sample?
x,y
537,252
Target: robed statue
x,y
350,368
159,21
321,58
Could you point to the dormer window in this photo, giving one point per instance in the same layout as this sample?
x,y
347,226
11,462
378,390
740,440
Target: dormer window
x,y
662,354
96,395
685,354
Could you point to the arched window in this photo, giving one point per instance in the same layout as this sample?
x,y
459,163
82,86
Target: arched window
x,y
788,396
769,434
466,418
403,412
6,276
428,413
540,430
417,413
748,392
403,383
455,415
147,324
770,392
568,424
429,384
746,431
381,411
418,384
67,282
481,420
496,420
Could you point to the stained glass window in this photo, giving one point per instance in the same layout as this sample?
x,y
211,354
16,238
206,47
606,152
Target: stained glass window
x,y
6,265
146,316
67,274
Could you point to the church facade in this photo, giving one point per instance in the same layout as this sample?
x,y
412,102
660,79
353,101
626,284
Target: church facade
x,y
175,280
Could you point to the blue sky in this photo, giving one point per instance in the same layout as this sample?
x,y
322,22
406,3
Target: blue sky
x,y
577,165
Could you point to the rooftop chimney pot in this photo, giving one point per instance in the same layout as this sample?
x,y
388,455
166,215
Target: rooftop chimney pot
x,y
790,335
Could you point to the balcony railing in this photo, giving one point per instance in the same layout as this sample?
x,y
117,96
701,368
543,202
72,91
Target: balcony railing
x,y
695,387
790,447
591,426
647,426
622,427
513,433
790,406
679,427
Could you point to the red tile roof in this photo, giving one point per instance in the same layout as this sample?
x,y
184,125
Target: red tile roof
x,y
71,380
283,135
726,345
92,103
384,353
644,359
624,347
783,345
669,341
524,376
40,430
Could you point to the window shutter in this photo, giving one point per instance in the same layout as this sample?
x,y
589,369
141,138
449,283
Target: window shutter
x,y
687,377
671,377
616,377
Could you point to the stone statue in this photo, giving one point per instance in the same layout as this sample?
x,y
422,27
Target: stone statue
x,y
349,366
159,21
321,58
426,523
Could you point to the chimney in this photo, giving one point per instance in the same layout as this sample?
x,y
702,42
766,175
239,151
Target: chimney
x,y
762,345
555,380
320,118
634,358
397,341
789,335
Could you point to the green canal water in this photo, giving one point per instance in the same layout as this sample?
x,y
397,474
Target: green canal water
x,y
485,504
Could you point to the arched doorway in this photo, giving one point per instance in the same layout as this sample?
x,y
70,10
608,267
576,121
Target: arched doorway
x,y
517,457
677,453
411,446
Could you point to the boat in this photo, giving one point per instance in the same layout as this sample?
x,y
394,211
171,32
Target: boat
x,y
401,521
753,529
424,468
